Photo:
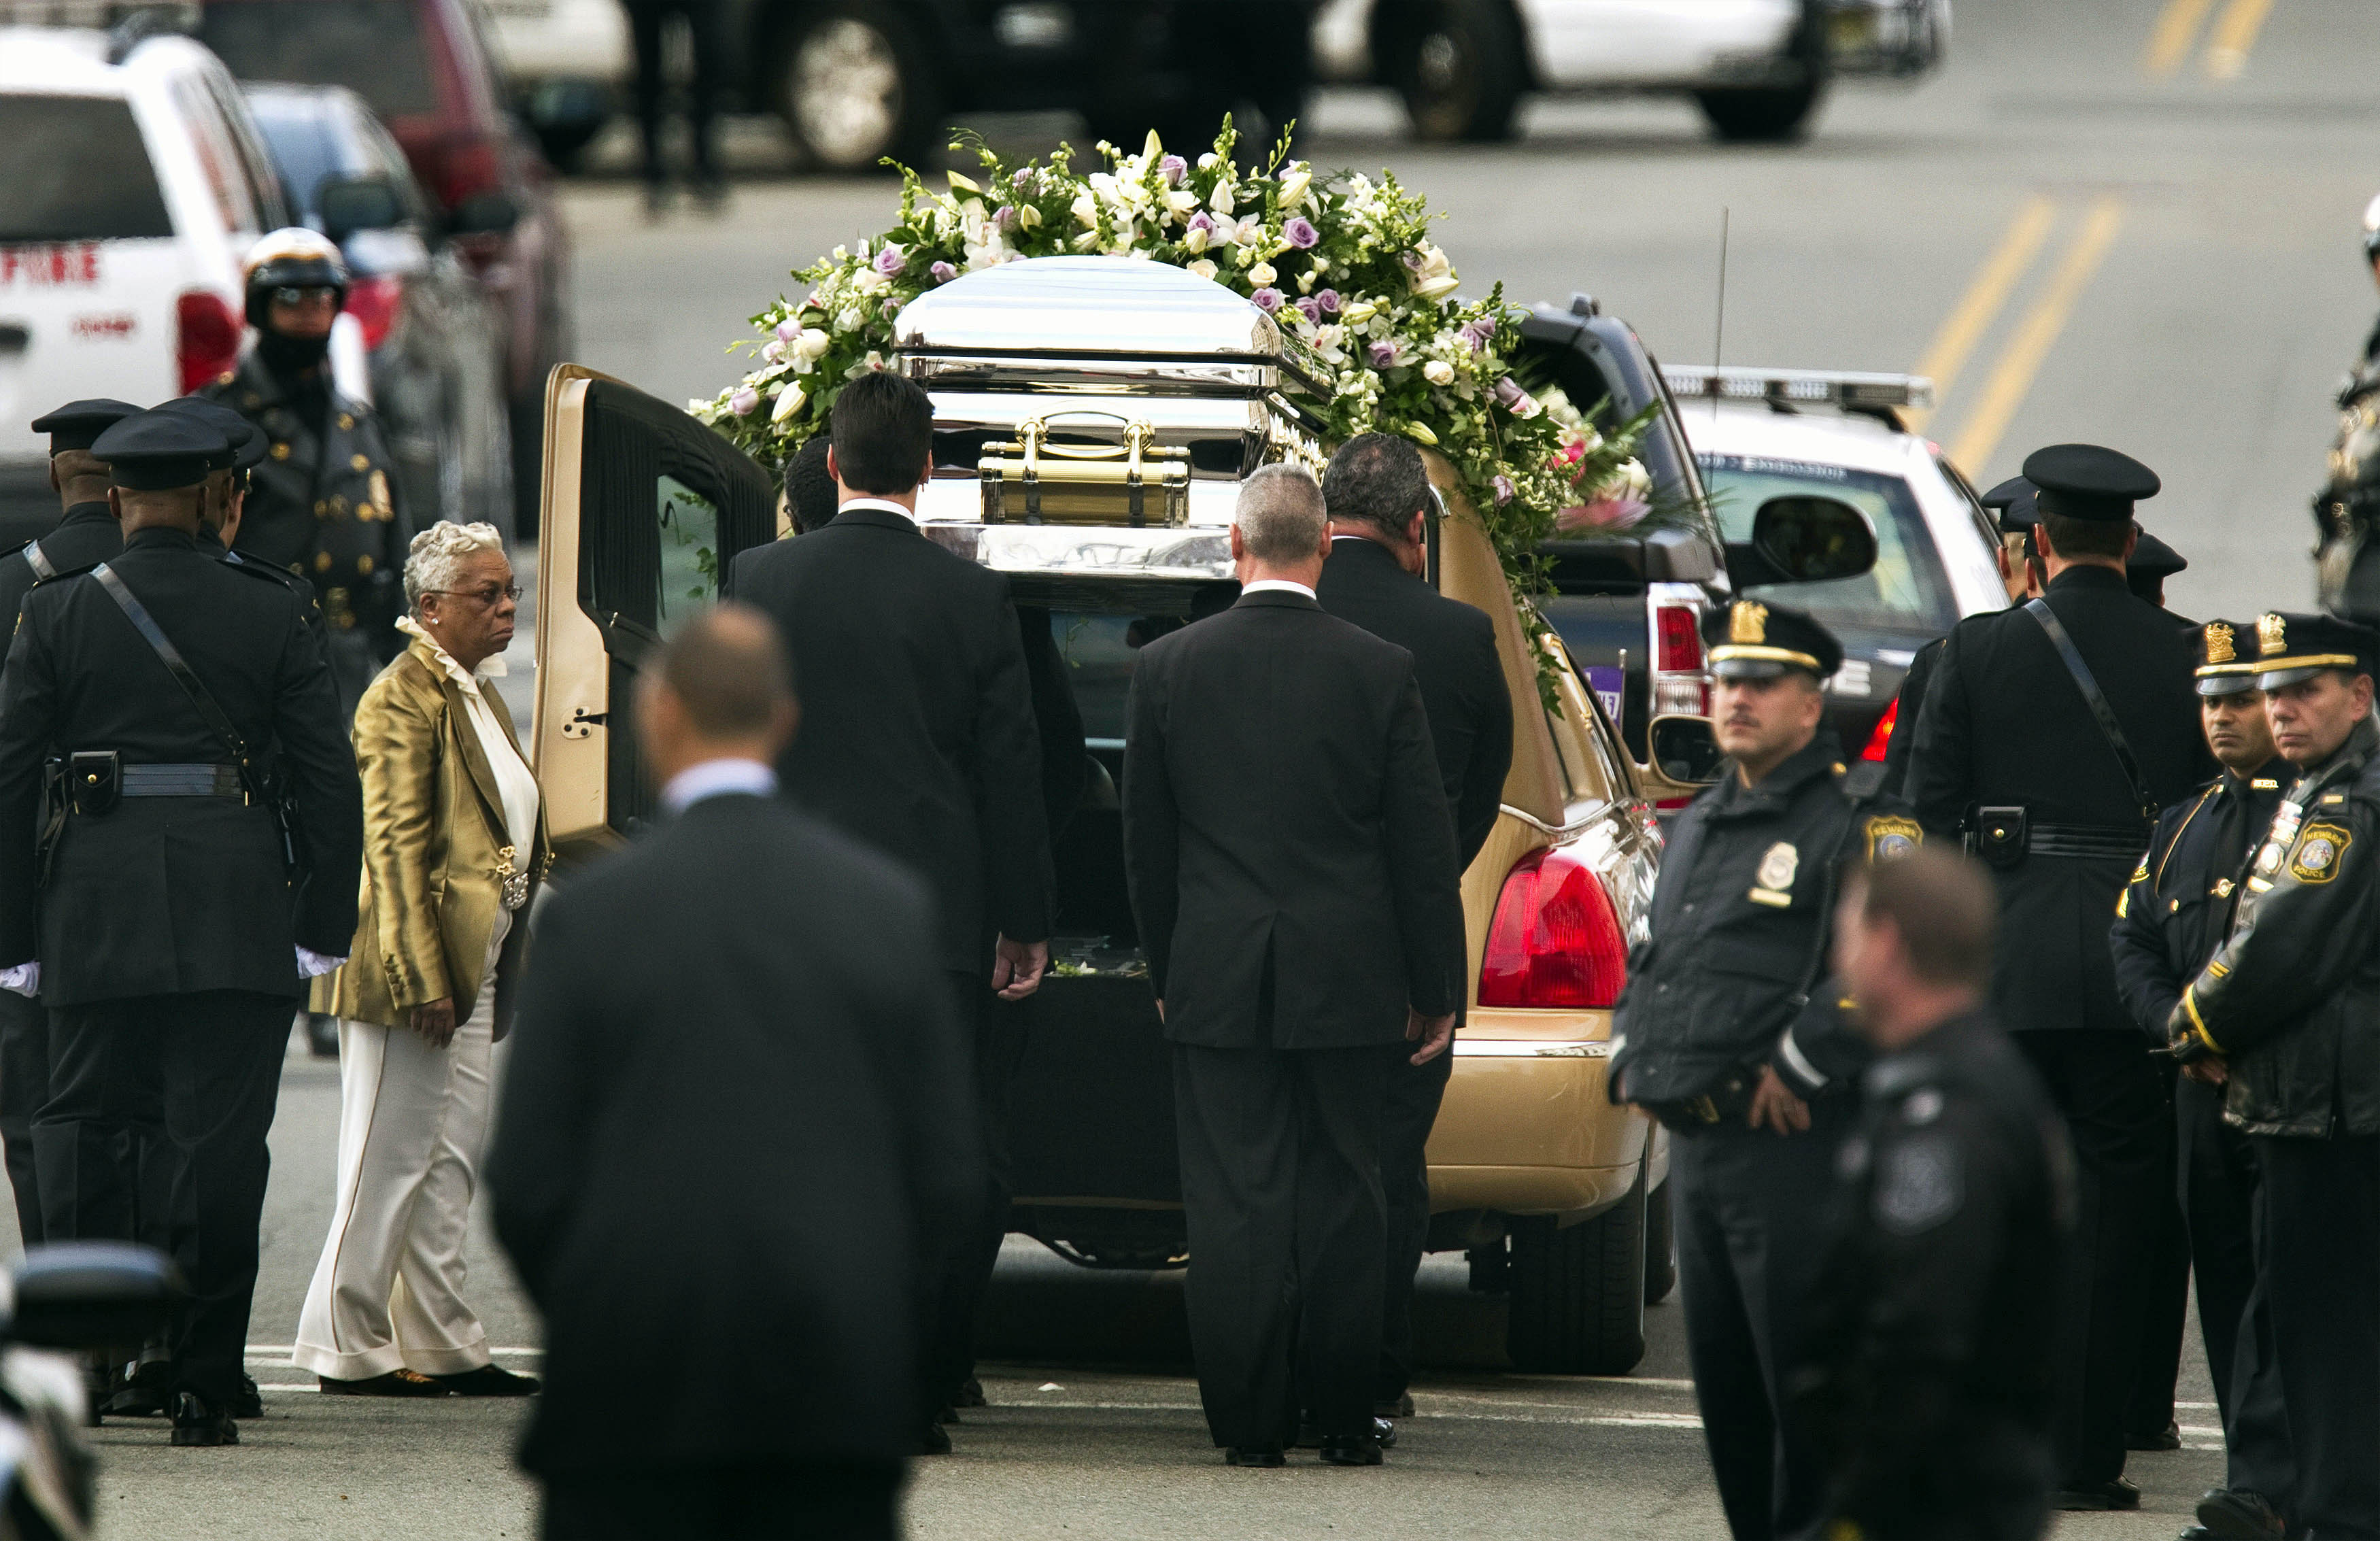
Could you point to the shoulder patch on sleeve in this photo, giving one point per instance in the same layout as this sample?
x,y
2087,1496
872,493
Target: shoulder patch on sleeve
x,y
1890,837
1920,1183
2319,852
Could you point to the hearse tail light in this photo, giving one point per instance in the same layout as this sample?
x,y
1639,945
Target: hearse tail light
x,y
374,302
1680,687
206,338
1556,940
1881,740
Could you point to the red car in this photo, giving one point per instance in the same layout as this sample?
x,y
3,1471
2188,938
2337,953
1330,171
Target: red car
x,y
426,71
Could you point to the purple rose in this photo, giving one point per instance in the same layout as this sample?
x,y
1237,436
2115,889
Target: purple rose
x,y
1509,394
789,330
1268,299
1411,259
891,261
1173,168
1382,354
1479,332
943,273
1505,491
1300,234
892,306
1328,301
1312,308
1203,221
743,401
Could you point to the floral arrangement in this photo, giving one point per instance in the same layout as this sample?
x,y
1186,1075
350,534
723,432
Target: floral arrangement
x,y
1345,263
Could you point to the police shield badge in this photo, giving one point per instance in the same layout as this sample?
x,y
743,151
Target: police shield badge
x,y
1774,882
2316,858
1890,837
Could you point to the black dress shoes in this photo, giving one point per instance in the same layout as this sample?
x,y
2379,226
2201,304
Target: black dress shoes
x,y
1309,1438
970,1394
1253,1455
2237,1514
1401,1408
489,1380
249,1403
195,1423
2167,1439
933,1438
2114,1493
1361,1449
396,1383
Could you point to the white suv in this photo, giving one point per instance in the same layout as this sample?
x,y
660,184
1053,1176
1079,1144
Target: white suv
x,y
135,184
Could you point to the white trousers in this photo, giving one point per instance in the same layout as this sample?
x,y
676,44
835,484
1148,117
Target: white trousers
x,y
388,1292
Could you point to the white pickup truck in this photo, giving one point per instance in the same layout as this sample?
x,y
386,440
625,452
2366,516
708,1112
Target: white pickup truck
x,y
1758,68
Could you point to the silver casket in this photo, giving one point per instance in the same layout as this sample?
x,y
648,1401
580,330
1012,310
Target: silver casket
x,y
1093,420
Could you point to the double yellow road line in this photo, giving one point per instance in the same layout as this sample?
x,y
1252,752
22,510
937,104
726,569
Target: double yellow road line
x,y
2028,344
2227,45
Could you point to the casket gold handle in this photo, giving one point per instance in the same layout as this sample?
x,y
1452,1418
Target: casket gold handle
x,y
1135,438
1030,432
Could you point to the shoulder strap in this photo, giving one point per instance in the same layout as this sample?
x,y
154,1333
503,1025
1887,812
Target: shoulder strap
x,y
170,656
39,560
2112,730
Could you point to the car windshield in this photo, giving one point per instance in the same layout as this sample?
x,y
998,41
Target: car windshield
x,y
374,46
1906,592
76,170
303,148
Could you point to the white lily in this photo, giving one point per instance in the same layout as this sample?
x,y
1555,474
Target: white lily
x,y
789,401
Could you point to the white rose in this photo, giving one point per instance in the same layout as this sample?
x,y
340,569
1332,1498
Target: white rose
x,y
850,320
1202,267
813,342
1438,372
1262,274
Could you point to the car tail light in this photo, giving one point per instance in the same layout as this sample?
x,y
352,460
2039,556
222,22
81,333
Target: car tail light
x,y
1680,687
206,338
374,303
1880,740
1556,940
462,168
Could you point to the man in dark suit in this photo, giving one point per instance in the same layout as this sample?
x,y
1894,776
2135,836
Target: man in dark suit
x,y
921,743
2011,752
1291,867
1377,493
170,934
731,1113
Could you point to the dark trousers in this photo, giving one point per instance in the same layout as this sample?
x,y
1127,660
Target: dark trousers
x,y
213,1060
1280,1192
2164,1289
1413,1093
24,1083
2218,1194
2320,1256
960,1267
2114,1104
1751,1235
705,19
791,1501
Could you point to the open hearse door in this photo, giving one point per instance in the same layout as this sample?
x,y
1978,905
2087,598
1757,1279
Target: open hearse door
x,y
644,508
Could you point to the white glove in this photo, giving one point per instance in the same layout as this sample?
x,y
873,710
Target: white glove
x,y
310,965
25,978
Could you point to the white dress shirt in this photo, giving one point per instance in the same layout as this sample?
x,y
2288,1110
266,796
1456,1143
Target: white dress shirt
x,y
885,504
718,778
1281,584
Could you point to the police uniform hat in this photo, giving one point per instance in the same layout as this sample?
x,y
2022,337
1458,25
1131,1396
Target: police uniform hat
x,y
2290,648
247,447
78,424
2153,560
156,451
2012,501
294,258
2227,663
2085,482
1749,640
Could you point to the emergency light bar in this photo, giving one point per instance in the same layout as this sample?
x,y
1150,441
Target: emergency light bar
x,y
1851,392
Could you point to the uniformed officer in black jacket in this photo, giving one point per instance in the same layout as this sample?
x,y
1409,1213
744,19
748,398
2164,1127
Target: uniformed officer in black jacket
x,y
2288,1004
1378,494
2172,916
85,534
2012,752
1933,1377
164,923
1715,1035
323,504
2348,508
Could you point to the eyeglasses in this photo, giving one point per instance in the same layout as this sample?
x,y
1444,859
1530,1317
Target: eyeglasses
x,y
299,300
487,596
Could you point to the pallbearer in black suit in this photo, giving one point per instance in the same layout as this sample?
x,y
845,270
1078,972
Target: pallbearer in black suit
x,y
1292,870
1377,493
2052,735
86,534
2172,916
921,741
165,925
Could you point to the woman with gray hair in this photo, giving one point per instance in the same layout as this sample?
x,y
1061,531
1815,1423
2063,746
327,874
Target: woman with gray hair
x,y
454,847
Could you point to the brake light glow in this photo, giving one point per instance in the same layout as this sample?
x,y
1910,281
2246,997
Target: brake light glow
x,y
1880,740
1680,688
1555,941
374,303
206,338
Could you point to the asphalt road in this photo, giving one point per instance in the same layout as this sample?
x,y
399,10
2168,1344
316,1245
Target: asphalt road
x,y
2131,222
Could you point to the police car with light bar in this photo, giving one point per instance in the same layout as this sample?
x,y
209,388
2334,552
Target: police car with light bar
x,y
1764,433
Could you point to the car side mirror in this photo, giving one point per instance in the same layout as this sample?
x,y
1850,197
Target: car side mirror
x,y
487,214
80,1295
348,204
1685,749
1802,540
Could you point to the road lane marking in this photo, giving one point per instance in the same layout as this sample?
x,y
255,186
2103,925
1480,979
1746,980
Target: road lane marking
x,y
2177,29
1986,293
2234,36
2012,379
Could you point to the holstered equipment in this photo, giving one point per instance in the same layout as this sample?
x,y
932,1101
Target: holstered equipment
x,y
94,779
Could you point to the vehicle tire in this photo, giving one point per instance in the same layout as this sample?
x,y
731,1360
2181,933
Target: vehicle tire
x,y
856,85
1660,1246
1461,66
1762,114
1578,1293
565,144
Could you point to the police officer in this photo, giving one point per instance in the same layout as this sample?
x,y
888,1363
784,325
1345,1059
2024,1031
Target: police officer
x,y
165,926
2286,1006
1715,1037
323,505
2347,508
2150,565
2052,735
2172,916
1934,1376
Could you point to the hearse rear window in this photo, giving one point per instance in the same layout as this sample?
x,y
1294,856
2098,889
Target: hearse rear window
x,y
76,170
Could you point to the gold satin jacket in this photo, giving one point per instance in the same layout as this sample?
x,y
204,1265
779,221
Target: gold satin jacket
x,y
436,852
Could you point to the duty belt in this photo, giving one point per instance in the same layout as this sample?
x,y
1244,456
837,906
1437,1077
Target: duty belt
x,y
2087,841
181,781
